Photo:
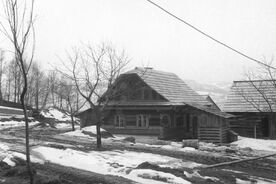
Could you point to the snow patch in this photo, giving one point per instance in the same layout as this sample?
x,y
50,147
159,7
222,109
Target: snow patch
x,y
8,160
23,157
9,124
56,114
257,144
254,180
76,133
109,162
197,175
11,108
155,177
4,147
87,132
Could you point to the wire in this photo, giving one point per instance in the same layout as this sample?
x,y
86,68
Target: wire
x,y
210,37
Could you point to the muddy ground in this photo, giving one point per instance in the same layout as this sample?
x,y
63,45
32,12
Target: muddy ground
x,y
253,171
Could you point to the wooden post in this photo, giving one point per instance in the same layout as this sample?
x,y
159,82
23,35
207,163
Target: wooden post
x,y
255,131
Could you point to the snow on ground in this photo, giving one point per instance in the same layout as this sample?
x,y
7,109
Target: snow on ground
x,y
175,147
66,126
86,132
197,175
9,124
255,180
11,108
76,133
121,163
92,129
152,174
7,156
9,116
257,144
56,114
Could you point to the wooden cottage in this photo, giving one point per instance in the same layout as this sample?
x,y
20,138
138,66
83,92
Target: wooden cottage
x,y
254,105
161,104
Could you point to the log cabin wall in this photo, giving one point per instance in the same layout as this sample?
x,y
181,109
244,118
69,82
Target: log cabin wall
x,y
272,123
259,125
188,124
87,118
139,122
212,129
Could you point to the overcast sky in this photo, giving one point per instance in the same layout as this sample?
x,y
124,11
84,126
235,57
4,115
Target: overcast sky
x,y
151,37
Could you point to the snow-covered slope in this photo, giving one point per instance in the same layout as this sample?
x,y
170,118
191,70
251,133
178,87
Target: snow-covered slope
x,y
56,114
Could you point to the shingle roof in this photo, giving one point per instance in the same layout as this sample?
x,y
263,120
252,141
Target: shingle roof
x,y
169,85
209,98
211,110
251,96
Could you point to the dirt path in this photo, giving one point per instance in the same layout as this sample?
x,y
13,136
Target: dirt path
x,y
261,170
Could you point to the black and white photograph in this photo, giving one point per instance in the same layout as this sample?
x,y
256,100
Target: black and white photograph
x,y
137,91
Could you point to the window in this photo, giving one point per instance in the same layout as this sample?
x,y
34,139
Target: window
x,y
165,120
142,120
119,121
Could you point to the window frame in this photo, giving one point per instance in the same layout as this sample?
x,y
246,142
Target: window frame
x,y
144,120
119,121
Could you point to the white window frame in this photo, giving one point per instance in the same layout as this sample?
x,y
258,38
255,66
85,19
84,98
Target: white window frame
x,y
142,120
121,122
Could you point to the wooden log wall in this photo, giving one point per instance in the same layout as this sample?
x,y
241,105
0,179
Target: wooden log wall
x,y
210,134
245,126
132,130
175,133
213,129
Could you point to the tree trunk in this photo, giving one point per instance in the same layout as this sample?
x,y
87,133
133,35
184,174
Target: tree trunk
x,y
36,94
99,136
72,121
22,99
98,127
15,86
45,100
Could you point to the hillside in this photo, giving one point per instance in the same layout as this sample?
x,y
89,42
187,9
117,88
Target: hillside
x,y
217,90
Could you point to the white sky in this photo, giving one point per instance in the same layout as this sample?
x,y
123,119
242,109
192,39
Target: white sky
x,y
151,37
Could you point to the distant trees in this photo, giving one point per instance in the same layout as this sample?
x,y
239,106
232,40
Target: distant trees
x,y
70,95
94,70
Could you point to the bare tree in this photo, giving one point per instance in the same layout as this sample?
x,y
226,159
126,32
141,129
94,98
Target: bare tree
x,y
1,71
261,84
94,70
17,26
9,77
70,94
